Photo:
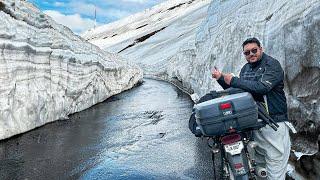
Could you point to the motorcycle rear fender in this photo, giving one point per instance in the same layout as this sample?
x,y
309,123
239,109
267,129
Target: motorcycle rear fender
x,y
238,163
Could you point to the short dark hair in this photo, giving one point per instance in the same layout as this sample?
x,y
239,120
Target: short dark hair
x,y
251,40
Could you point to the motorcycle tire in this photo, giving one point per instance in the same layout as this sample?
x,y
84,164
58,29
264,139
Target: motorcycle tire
x,y
217,166
244,177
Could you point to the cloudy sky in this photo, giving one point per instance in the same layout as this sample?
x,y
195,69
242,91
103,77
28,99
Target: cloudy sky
x,y
78,15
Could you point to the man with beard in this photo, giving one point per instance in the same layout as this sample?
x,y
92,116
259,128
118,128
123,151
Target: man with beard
x,y
263,77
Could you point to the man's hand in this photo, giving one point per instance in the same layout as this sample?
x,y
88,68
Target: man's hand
x,y
227,78
216,73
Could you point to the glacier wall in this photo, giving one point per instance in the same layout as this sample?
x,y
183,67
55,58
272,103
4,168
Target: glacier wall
x,y
47,72
197,35
289,31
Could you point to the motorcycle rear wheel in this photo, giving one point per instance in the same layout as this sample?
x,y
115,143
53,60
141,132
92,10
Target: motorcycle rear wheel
x,y
219,172
217,166
244,177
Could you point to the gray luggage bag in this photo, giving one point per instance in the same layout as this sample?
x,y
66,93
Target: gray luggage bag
x,y
236,112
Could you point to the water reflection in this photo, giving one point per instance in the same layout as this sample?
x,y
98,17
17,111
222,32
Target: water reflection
x,y
139,134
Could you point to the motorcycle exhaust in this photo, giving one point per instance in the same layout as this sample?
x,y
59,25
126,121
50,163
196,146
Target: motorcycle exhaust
x,y
261,172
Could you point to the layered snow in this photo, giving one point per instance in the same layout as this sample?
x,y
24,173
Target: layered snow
x,y
151,37
47,72
183,40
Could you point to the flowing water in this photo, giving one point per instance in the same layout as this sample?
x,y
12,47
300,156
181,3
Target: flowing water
x,y
139,134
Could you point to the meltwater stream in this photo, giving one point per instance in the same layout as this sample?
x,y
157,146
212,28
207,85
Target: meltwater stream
x,y
139,134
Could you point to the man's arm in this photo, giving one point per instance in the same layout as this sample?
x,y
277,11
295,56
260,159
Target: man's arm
x,y
221,77
218,75
272,76
222,83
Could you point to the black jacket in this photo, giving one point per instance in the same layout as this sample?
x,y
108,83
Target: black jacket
x,y
264,77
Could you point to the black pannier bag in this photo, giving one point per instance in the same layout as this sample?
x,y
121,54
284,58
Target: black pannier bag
x,y
227,114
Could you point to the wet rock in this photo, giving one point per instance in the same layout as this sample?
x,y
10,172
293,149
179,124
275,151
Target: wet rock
x,y
308,166
47,72
161,135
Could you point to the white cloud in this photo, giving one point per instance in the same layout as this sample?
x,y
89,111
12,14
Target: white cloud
x,y
75,22
78,15
82,7
88,10
59,4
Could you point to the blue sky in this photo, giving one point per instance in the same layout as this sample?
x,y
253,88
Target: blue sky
x,y
78,15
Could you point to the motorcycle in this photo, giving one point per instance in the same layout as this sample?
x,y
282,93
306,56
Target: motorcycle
x,y
227,119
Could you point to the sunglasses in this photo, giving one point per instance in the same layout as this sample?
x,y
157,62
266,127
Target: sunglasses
x,y
254,51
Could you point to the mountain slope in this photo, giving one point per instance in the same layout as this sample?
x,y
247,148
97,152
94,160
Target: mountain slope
x,y
151,37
